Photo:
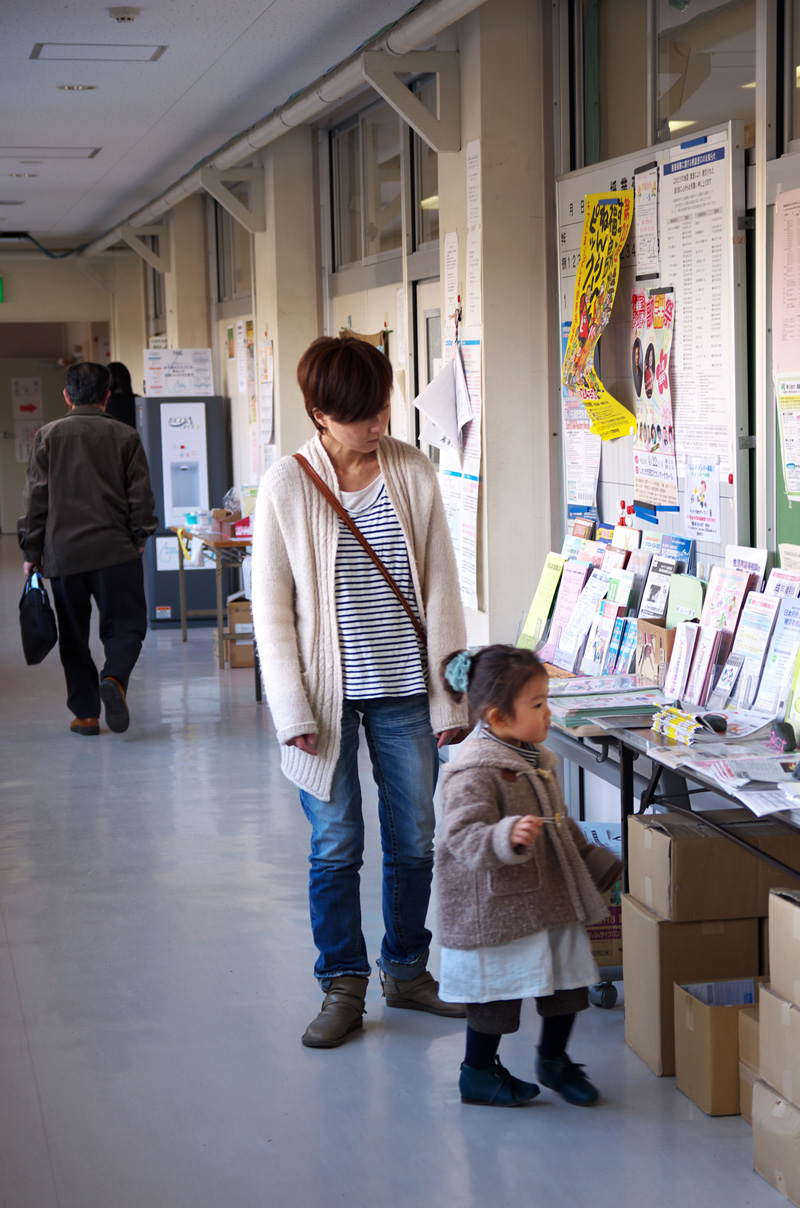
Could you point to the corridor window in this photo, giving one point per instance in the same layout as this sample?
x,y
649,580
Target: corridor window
x,y
347,195
382,182
426,175
706,66
234,262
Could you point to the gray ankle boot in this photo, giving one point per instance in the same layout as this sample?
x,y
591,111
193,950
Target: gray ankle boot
x,y
421,993
341,1014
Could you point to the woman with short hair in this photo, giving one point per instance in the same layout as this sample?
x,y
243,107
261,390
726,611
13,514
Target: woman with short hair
x,y
339,648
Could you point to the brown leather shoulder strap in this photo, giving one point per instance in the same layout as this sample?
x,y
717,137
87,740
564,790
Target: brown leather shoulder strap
x,y
325,490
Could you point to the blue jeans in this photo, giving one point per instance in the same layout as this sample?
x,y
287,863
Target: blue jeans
x,y
405,765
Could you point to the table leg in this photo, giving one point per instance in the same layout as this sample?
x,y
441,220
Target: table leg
x,y
182,589
626,801
220,615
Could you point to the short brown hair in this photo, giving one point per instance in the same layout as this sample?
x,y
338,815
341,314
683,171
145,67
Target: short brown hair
x,y
495,676
347,379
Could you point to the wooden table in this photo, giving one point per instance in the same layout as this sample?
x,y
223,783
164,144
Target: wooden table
x,y
228,551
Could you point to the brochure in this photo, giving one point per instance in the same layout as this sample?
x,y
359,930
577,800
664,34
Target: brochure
x,y
702,665
573,578
685,599
681,661
751,642
727,587
536,621
779,665
596,648
613,646
569,645
626,658
754,561
656,589
682,549
782,583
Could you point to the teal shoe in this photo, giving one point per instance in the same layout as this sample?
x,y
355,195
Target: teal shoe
x,y
494,1087
567,1080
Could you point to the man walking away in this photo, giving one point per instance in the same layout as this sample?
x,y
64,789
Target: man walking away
x,y
88,512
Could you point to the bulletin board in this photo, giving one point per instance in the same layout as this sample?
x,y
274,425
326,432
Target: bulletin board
x,y
701,256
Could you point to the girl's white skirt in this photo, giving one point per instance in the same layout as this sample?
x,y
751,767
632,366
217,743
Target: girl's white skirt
x,y
559,958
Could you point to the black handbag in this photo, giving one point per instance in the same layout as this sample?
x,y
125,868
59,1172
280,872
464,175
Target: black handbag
x,y
37,621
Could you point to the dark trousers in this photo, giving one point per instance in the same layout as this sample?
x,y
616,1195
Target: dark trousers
x,y
118,592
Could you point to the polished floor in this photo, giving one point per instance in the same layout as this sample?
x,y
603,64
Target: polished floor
x,y
155,977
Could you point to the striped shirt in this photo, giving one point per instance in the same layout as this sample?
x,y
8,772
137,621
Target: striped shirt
x,y
526,749
382,654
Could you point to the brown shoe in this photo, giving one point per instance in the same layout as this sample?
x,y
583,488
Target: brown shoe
x,y
85,725
420,994
341,1014
112,694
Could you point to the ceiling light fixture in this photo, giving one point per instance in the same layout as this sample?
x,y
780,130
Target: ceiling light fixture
x,y
676,126
76,87
25,175
124,15
12,203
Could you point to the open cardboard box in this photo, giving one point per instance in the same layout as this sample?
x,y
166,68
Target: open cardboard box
x,y
707,1042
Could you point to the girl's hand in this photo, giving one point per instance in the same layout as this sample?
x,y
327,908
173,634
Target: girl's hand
x,y
526,831
305,742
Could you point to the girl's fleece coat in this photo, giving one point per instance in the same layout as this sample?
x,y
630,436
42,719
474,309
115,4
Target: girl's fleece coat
x,y
490,892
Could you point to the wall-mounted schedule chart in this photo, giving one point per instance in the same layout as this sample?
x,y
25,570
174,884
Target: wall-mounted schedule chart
x,y
695,204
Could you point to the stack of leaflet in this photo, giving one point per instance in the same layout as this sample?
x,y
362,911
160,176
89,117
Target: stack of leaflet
x,y
676,725
573,711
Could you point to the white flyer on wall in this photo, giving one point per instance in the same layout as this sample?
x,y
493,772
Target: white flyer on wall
x,y
695,242
26,398
582,448
241,358
450,278
474,199
459,478
787,397
645,221
473,304
786,284
701,499
178,372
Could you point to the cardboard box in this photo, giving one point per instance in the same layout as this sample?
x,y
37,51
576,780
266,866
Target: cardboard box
x,y
765,949
223,520
747,1080
654,644
784,943
605,937
685,871
240,629
658,954
779,1044
776,1141
707,1042
748,1037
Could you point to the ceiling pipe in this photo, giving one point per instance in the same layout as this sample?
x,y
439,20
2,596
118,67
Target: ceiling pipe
x,y
410,31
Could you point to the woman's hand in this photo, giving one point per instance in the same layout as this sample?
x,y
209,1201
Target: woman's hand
x,y
304,742
452,736
526,831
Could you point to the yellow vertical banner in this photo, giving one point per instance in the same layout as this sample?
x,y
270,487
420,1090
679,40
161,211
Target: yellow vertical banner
x,y
606,224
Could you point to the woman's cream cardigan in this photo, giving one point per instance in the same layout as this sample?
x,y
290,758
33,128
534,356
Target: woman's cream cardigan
x,y
294,603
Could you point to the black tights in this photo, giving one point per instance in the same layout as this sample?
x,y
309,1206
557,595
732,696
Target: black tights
x,y
482,1046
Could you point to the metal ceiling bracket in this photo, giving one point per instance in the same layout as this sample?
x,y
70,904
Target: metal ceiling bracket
x,y
441,131
134,237
215,182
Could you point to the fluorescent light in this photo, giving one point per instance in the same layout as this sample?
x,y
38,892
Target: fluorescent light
x,y
676,126
430,203
752,85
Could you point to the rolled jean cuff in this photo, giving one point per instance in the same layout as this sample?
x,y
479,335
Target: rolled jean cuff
x,y
325,981
405,971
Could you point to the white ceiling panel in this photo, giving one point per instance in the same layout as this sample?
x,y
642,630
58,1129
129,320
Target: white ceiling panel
x,y
224,68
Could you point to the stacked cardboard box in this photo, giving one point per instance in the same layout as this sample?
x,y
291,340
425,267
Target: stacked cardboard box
x,y
692,915
748,1060
776,1094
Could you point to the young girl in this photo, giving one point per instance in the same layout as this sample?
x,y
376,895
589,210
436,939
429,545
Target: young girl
x,y
516,882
